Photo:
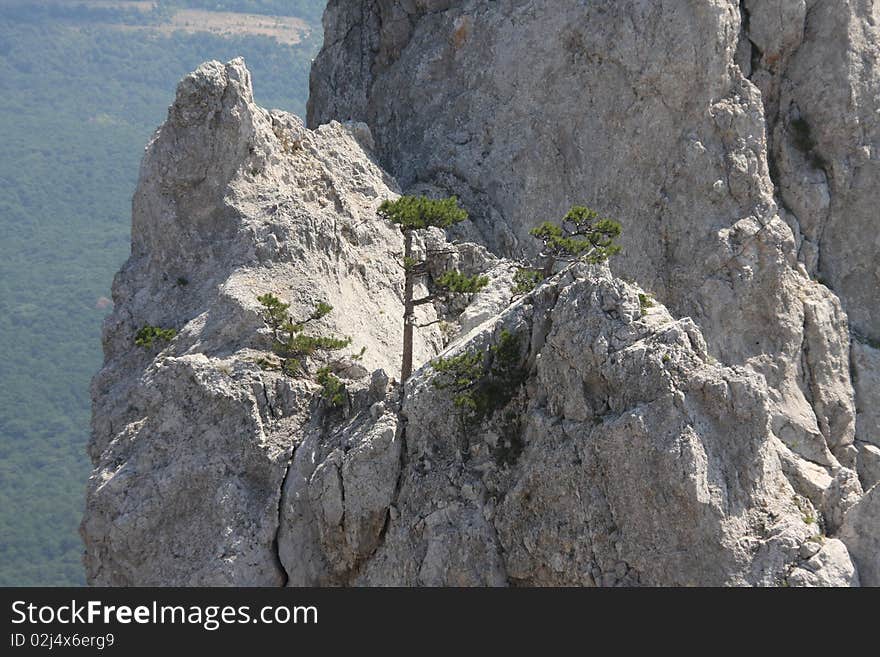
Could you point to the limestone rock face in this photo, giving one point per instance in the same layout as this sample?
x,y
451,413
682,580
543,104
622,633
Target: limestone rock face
x,y
647,110
861,537
723,435
866,380
816,65
192,439
615,452
733,140
622,455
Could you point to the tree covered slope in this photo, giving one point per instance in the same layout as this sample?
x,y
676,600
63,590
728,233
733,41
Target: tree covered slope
x,y
80,96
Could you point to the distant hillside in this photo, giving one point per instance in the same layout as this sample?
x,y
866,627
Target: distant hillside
x,y
227,19
83,84
308,9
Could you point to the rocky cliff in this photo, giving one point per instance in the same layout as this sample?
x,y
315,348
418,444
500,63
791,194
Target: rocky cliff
x,y
726,435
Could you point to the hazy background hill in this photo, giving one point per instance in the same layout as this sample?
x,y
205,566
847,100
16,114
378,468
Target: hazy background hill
x,y
83,84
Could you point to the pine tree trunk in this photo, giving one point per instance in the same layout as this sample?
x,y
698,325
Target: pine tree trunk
x,y
408,309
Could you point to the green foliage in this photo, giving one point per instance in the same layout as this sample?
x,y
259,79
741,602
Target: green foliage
x,y
525,280
147,336
505,356
455,282
274,310
292,344
333,390
307,345
322,309
294,347
79,99
582,235
478,391
460,375
39,12
646,302
418,212
412,213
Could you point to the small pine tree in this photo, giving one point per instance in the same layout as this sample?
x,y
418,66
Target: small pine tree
x,y
525,280
147,336
460,375
333,390
582,236
478,391
292,345
412,213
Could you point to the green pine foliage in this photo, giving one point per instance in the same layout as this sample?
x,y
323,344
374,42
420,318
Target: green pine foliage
x,y
454,282
149,336
274,310
291,343
333,390
419,212
460,376
525,280
481,383
581,236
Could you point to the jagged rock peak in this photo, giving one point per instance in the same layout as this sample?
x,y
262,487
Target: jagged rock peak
x,y
736,142
714,437
614,451
191,439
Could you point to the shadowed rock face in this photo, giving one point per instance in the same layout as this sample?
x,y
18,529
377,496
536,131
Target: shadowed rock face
x,y
732,139
714,438
634,106
731,199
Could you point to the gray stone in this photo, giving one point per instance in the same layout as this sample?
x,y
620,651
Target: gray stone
x,y
619,466
861,537
866,380
710,440
192,440
642,111
869,464
828,566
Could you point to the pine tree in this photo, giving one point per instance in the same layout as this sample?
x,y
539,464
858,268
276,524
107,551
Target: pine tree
x,y
147,336
292,345
412,213
582,236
